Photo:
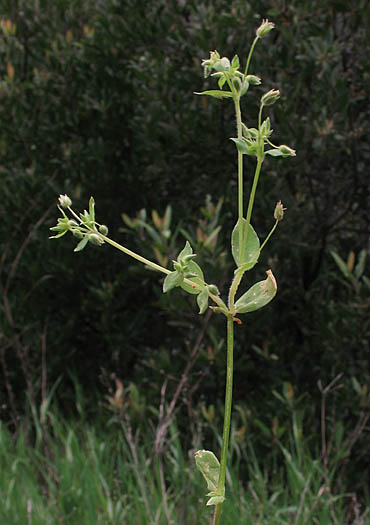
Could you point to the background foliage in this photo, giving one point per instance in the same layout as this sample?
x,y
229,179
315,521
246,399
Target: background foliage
x,y
96,97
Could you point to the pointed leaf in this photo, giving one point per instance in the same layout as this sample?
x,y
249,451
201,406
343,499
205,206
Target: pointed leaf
x,y
209,467
202,301
216,93
341,264
167,218
274,153
221,81
245,146
215,500
258,296
172,280
360,266
195,270
81,245
249,250
187,250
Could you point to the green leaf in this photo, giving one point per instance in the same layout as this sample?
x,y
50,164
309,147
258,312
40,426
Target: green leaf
x,y
235,62
245,146
172,280
195,270
274,153
215,499
216,93
360,266
249,250
187,250
167,218
81,245
221,81
209,466
341,265
202,301
257,296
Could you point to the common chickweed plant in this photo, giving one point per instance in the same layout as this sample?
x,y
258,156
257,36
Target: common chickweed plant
x,y
245,244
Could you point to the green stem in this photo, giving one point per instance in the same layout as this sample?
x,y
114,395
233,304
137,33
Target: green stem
x,y
135,255
253,190
269,235
227,415
240,161
250,55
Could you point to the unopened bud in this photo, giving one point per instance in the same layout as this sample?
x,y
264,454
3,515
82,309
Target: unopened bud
x,y
79,235
279,211
94,238
64,201
264,28
270,97
254,80
287,151
212,288
103,229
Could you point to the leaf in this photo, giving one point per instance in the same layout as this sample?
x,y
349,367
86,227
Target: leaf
x,y
258,295
274,153
209,466
167,218
215,499
216,93
249,250
245,146
360,266
81,245
235,62
172,280
341,265
221,81
194,269
202,301
187,250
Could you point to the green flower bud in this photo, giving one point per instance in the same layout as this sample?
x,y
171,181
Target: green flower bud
x,y
270,97
94,238
264,28
64,201
265,128
254,80
287,151
79,235
212,288
103,229
279,211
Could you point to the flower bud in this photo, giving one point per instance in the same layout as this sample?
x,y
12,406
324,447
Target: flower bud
x,y
279,211
212,288
270,97
64,201
264,28
287,151
254,80
79,235
103,229
94,238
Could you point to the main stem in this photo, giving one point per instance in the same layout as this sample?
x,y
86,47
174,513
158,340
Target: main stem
x,y
227,415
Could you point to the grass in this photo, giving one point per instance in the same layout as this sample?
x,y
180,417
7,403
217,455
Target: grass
x,y
102,472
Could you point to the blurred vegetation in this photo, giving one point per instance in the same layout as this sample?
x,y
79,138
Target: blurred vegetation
x,y
96,98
